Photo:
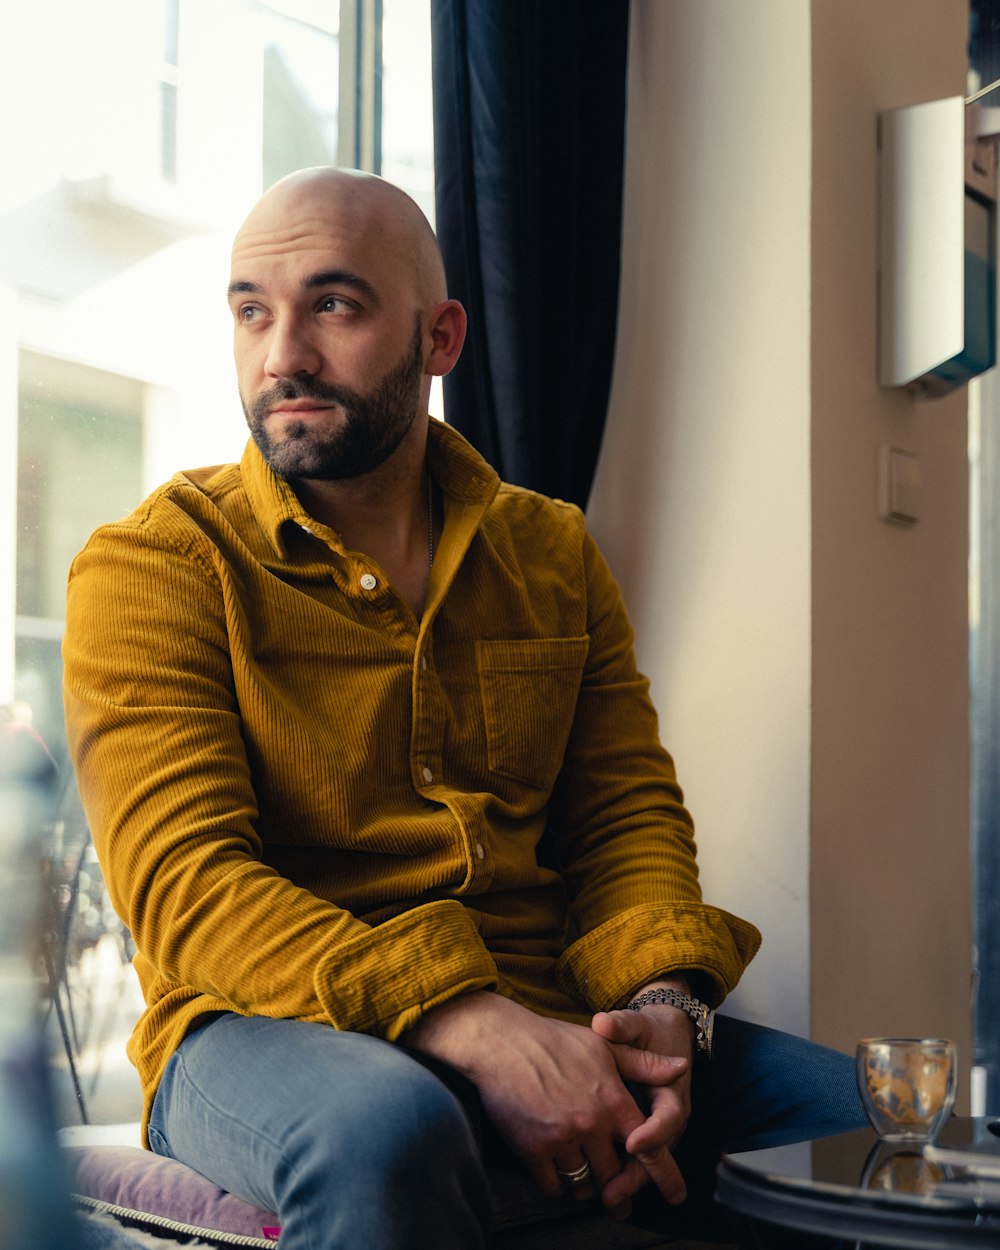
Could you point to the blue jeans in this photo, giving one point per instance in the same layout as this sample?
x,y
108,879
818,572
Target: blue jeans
x,y
354,1142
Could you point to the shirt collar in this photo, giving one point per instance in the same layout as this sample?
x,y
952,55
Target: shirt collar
x,y
273,501
459,470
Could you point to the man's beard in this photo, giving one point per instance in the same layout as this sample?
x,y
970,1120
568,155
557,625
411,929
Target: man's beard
x,y
372,427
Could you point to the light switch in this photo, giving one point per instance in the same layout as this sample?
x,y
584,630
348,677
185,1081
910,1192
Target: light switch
x,y
900,485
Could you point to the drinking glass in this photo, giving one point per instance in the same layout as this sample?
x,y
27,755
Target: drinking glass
x,y
907,1085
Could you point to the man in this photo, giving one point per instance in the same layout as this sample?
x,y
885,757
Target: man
x,y
324,705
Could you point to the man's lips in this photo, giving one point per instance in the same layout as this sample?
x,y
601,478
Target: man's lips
x,y
300,408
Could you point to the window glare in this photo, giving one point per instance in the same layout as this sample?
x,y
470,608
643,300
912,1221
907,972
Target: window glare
x,y
152,128
407,110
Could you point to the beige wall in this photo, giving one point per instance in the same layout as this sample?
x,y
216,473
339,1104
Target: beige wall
x,y
808,660
702,495
890,809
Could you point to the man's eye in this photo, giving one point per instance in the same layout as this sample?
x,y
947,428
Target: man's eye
x,y
248,313
333,303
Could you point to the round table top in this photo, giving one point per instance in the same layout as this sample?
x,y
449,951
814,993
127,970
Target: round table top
x,y
886,1194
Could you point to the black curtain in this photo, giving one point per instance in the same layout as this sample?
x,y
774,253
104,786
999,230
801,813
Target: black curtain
x,y
529,117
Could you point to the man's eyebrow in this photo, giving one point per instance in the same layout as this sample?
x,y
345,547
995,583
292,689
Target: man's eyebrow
x,y
325,277
339,277
242,288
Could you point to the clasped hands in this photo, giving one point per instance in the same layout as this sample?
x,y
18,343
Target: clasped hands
x,y
557,1092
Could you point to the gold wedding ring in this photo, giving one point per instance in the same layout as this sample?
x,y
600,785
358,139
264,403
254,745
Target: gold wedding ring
x,y
579,1176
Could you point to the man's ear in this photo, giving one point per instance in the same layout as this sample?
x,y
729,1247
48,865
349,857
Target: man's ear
x,y
446,325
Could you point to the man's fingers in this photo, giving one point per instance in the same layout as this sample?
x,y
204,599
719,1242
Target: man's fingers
x,y
629,1035
655,1165
650,1145
619,1026
647,1067
660,1132
664,1173
662,1128
617,1194
577,1177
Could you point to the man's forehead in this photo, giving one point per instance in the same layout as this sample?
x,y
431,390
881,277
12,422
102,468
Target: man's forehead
x,y
305,263
326,221
328,240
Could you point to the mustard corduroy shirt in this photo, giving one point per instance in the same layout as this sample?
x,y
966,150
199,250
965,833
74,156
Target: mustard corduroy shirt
x,y
307,803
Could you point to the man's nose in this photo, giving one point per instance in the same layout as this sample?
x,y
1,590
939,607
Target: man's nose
x,y
291,350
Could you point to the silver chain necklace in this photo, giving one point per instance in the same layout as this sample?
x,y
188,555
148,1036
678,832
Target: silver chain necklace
x,y
430,520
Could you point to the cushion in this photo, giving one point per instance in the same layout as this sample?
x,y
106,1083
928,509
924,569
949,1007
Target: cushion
x,y
147,1191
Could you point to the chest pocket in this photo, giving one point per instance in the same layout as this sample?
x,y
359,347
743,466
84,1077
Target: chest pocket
x,y
529,690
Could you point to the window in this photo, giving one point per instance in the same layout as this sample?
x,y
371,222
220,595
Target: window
x,y
153,127
76,427
114,235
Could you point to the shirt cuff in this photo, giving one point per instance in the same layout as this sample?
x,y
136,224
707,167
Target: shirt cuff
x,y
383,980
605,966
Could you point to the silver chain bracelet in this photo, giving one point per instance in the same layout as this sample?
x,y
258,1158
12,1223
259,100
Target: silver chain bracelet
x,y
702,1015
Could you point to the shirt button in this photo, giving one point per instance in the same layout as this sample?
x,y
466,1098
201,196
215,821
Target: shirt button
x,y
428,775
368,581
480,853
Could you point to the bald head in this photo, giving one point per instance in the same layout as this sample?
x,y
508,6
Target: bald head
x,y
341,320
346,203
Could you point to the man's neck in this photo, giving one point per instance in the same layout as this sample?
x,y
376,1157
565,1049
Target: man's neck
x,y
386,514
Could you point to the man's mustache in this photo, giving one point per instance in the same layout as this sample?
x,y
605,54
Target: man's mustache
x,y
301,388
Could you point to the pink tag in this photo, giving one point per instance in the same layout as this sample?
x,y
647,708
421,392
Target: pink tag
x,y
271,1231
